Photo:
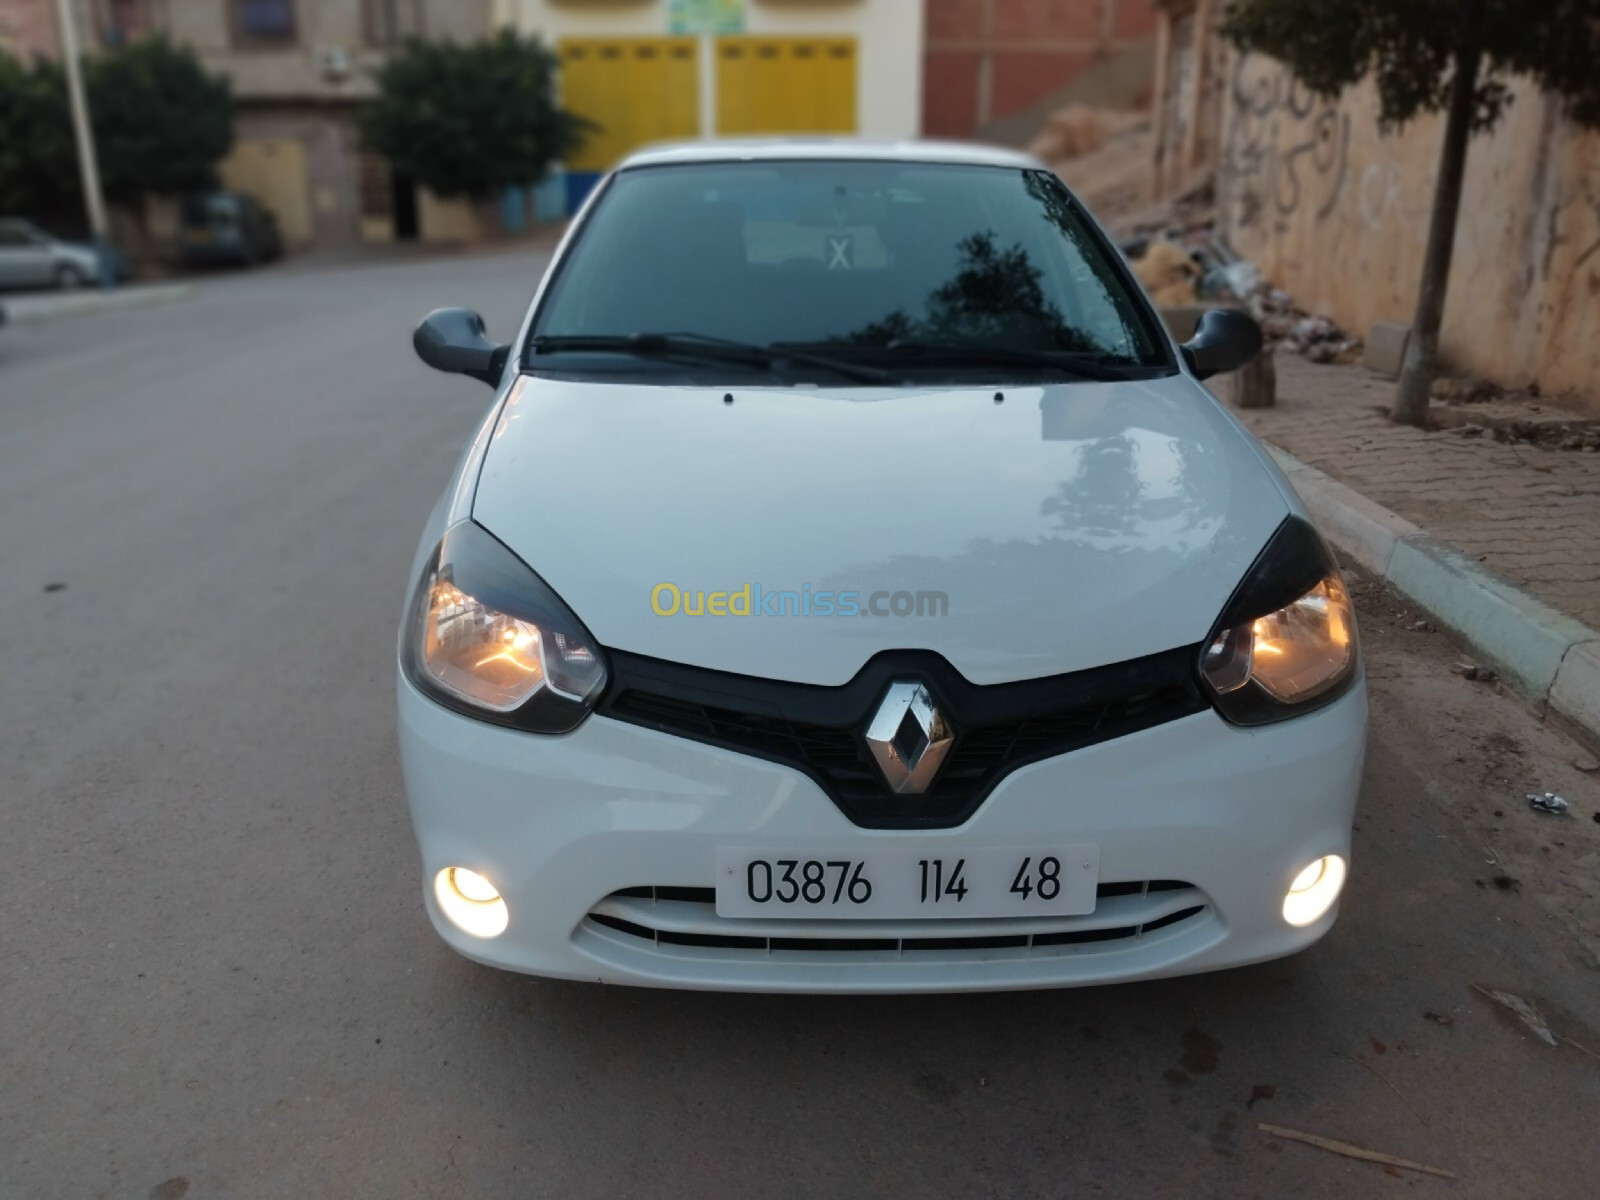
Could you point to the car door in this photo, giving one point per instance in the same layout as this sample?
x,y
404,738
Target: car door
x,y
24,261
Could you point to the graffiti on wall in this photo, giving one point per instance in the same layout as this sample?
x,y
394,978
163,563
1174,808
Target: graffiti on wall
x,y
1287,148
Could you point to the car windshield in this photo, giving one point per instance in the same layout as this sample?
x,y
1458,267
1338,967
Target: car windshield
x,y
203,210
868,262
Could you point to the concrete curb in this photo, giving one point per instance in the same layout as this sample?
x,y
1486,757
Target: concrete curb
x,y
1552,658
33,307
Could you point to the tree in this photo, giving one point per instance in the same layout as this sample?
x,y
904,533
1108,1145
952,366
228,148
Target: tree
x,y
470,120
161,122
160,125
38,174
1426,56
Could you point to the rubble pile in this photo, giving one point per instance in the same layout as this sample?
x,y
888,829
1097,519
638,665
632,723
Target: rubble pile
x,y
1193,265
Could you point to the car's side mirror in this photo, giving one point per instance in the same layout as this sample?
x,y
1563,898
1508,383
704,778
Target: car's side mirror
x,y
1226,340
452,339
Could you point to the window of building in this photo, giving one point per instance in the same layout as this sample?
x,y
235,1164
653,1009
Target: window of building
x,y
391,21
377,188
123,21
263,20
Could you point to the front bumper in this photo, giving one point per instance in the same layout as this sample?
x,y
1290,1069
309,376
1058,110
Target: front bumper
x,y
562,825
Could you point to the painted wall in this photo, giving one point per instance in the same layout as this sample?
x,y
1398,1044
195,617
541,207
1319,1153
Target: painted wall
x,y
888,33
1337,213
990,59
28,29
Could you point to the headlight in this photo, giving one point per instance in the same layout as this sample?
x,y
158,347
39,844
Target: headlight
x,y
1286,643
487,637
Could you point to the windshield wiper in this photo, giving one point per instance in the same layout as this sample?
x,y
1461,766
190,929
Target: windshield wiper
x,y
985,354
703,346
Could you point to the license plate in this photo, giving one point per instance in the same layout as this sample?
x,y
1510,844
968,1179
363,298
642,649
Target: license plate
x,y
896,884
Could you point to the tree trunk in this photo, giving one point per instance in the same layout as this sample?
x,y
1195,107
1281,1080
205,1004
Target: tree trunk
x,y
1422,354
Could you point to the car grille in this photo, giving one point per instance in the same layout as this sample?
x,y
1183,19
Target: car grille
x,y
819,730
683,921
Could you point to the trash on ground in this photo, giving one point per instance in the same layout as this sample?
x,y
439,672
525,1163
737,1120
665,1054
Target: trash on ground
x,y
1477,673
1168,274
1547,802
1587,765
1438,1018
1350,1150
1262,1091
1525,1012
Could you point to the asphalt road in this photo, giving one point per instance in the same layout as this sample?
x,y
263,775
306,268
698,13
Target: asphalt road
x,y
216,978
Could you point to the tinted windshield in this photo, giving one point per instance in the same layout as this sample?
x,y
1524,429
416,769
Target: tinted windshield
x,y
851,258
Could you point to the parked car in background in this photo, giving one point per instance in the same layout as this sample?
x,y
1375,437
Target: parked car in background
x,y
228,227
30,257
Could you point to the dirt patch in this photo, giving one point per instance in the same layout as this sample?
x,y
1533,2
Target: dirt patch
x,y
1492,749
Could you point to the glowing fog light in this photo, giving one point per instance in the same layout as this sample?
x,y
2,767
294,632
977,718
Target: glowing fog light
x,y
471,902
1314,890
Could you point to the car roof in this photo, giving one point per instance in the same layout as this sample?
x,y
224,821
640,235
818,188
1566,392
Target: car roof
x,y
827,149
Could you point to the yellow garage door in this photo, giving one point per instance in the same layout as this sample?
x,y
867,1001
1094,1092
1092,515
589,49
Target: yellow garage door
x,y
786,85
273,170
636,90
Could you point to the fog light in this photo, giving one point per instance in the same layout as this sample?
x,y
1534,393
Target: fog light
x,y
1314,890
471,902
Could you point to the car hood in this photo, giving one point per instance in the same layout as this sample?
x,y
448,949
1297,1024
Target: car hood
x,y
1068,526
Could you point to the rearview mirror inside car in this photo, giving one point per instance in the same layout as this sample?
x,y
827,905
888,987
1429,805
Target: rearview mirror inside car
x,y
453,339
1226,340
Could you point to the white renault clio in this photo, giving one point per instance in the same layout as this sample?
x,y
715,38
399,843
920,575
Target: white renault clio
x,y
853,588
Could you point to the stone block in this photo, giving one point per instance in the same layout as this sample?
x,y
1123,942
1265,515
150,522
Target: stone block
x,y
1256,386
1386,348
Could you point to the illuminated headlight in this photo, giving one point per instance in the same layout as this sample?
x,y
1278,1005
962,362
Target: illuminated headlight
x,y
487,637
471,902
1287,641
1313,891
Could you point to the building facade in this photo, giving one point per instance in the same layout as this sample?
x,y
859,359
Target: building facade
x,y
654,70
299,69
988,60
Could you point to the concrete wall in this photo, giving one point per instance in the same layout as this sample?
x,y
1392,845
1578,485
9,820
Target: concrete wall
x,y
888,33
28,29
1337,212
986,60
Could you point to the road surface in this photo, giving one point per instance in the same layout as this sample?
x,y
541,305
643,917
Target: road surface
x,y
218,980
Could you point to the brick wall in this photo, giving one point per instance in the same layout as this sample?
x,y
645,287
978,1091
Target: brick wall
x,y
988,59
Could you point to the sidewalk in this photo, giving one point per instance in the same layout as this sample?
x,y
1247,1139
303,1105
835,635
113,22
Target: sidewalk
x,y
1529,514
1466,516
23,307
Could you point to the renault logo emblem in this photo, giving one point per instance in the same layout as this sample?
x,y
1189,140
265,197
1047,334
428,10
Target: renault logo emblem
x,y
908,737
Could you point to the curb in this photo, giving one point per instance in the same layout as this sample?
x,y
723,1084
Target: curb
x,y
27,309
1551,658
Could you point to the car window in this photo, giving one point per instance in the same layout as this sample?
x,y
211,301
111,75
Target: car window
x,y
13,237
848,254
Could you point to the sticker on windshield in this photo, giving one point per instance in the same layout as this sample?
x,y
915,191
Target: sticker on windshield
x,y
841,251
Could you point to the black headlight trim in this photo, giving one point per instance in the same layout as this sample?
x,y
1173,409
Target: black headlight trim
x,y
484,567
1294,560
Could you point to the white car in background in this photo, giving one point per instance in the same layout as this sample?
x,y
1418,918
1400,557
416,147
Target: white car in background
x,y
30,257
853,589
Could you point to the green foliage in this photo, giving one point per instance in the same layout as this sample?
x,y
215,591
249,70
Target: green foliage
x,y
38,173
160,124
470,120
1411,48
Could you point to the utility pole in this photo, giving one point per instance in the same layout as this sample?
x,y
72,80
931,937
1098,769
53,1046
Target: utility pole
x,y
88,167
